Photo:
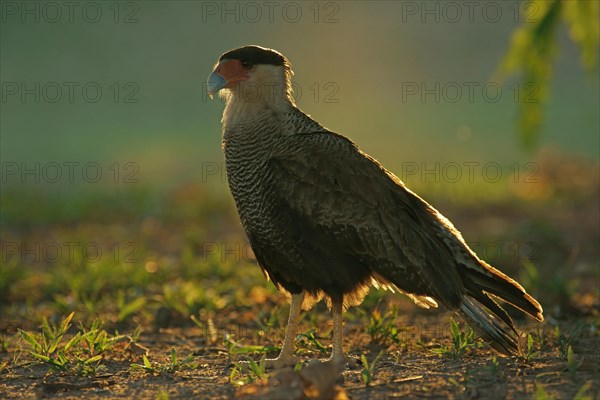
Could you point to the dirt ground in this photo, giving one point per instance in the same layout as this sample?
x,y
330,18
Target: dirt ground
x,y
150,301
405,370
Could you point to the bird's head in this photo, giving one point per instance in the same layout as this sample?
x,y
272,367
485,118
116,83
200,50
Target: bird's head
x,y
251,74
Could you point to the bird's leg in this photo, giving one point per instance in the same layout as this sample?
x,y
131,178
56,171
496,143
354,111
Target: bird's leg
x,y
286,357
337,349
337,352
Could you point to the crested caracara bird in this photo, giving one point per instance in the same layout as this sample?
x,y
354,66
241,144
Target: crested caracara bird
x,y
326,220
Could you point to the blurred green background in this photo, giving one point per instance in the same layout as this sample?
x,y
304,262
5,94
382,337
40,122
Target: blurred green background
x,y
353,62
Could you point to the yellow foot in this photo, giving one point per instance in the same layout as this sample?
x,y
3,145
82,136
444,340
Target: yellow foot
x,y
281,362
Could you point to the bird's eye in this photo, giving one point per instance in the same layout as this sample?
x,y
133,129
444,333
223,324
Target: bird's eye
x,y
246,64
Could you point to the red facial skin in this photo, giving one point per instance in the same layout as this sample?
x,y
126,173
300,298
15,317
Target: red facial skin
x,y
232,71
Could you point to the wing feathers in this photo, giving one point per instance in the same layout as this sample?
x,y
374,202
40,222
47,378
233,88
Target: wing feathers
x,y
352,201
348,202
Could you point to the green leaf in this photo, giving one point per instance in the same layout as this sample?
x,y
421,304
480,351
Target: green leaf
x,y
31,340
366,377
62,358
257,369
582,392
188,359
298,366
364,360
235,372
173,356
571,362
454,329
74,341
40,357
53,347
66,323
540,393
131,308
47,331
93,359
147,363
197,322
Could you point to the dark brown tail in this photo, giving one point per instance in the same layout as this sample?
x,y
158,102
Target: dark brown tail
x,y
485,315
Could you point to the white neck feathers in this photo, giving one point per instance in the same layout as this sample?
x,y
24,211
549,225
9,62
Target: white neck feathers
x,y
267,88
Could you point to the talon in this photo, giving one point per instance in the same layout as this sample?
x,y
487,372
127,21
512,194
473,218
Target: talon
x,y
343,361
351,362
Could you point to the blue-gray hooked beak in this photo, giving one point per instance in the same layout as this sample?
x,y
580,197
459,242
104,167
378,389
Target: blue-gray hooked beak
x,y
215,83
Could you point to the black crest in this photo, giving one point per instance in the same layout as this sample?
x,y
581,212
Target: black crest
x,y
256,55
